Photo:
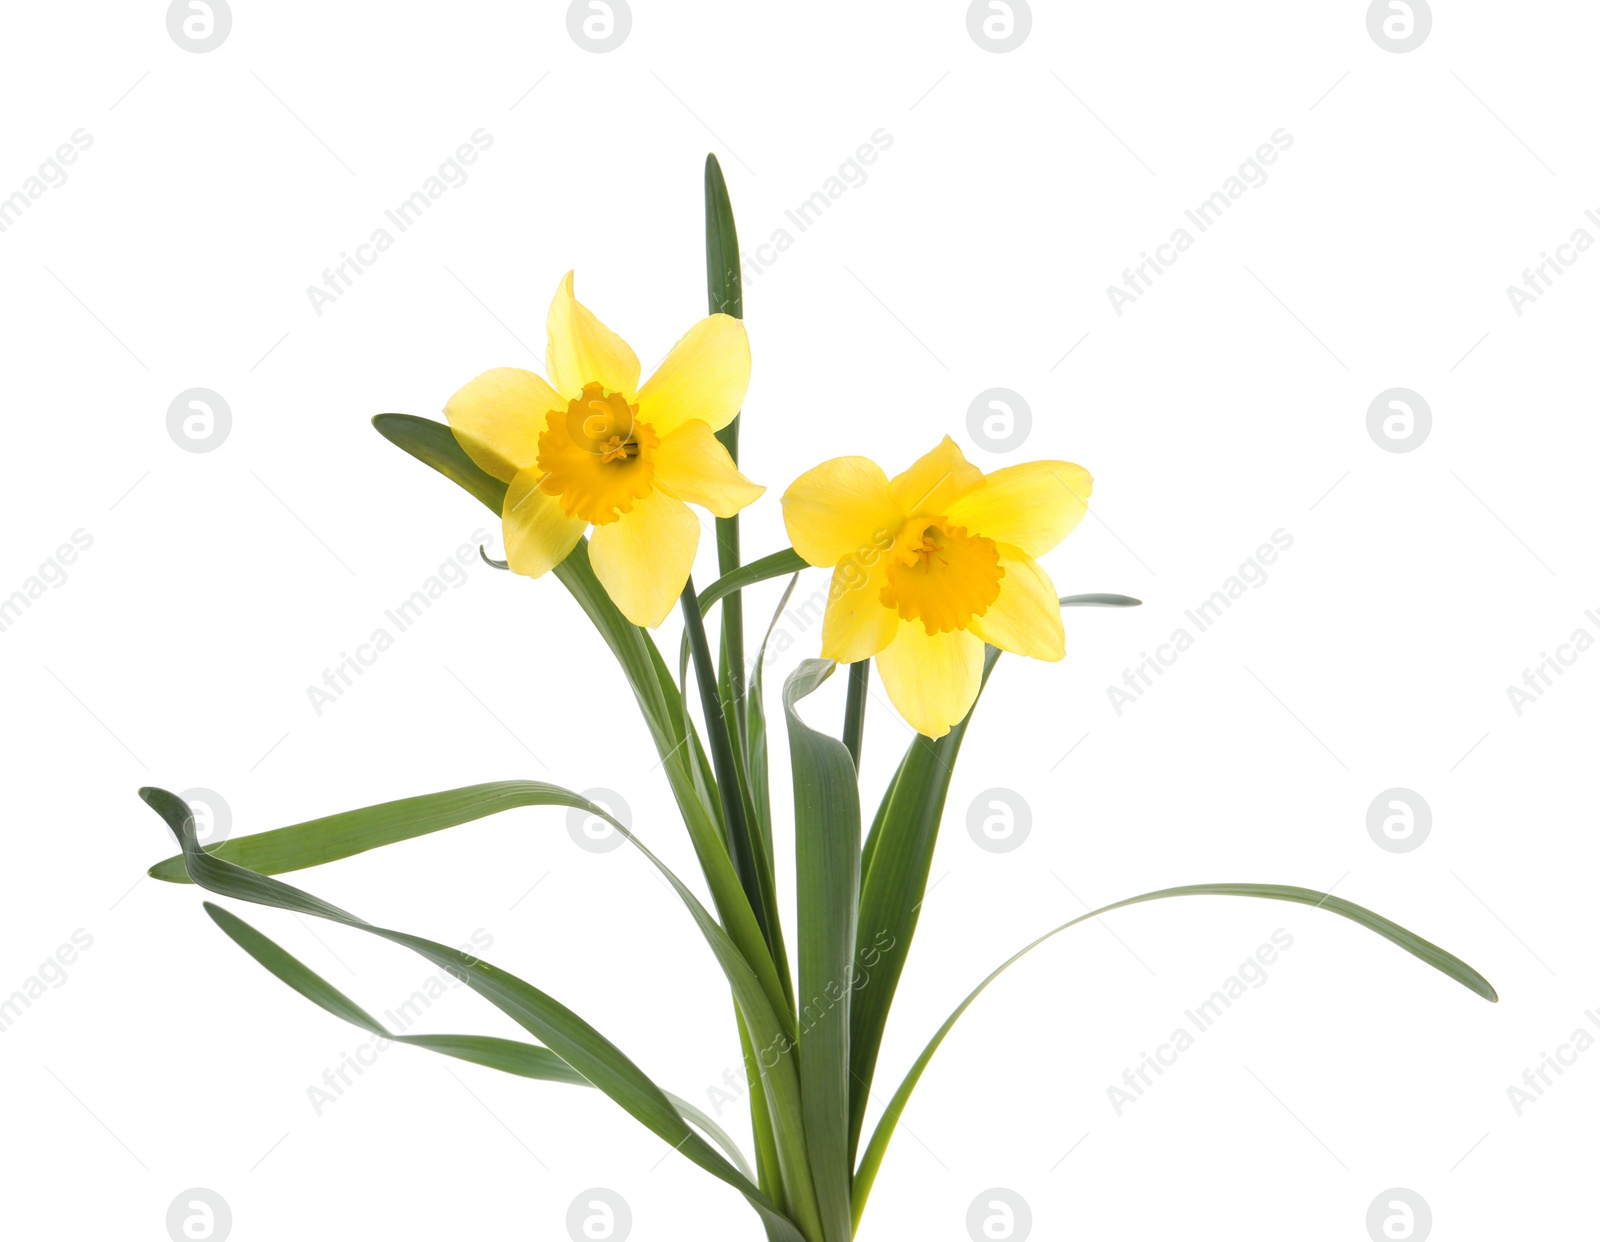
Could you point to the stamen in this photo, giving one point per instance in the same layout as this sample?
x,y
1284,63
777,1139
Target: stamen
x,y
596,456
944,577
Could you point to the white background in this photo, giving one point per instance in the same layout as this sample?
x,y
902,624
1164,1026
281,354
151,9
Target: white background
x,y
1220,407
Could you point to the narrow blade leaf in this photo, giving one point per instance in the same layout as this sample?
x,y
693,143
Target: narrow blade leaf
x,y
1441,960
434,444
827,829
509,1056
558,1028
774,565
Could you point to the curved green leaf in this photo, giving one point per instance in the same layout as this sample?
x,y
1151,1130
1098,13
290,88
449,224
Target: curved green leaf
x,y
434,444
1441,960
773,566
333,837
558,1028
725,296
827,834
509,1056
894,877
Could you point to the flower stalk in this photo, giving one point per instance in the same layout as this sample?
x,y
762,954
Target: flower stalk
x,y
723,763
855,710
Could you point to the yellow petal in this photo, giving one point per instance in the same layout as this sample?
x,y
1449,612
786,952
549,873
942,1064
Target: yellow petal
x,y
582,350
643,559
538,534
692,465
1034,506
935,481
1026,619
497,419
840,511
857,625
932,679
704,377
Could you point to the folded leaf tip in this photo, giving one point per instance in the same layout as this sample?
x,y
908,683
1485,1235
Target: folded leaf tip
x,y
169,806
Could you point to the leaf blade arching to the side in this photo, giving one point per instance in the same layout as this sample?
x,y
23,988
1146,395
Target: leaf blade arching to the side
x,y
1426,951
907,822
509,1056
773,565
558,1028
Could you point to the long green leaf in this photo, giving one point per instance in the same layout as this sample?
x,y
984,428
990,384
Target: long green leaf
x,y
899,853
333,837
725,296
552,1023
827,832
509,1056
870,845
1441,960
774,565
354,832
434,444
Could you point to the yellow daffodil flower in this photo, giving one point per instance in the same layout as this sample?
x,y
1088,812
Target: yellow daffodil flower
x,y
594,447
934,563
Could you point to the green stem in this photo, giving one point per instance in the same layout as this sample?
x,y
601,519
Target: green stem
x,y
722,758
855,710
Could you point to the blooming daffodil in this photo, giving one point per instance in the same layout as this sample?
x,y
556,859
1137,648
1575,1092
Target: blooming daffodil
x,y
595,448
934,563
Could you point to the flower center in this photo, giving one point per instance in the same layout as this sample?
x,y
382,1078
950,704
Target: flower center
x,y
941,575
595,455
